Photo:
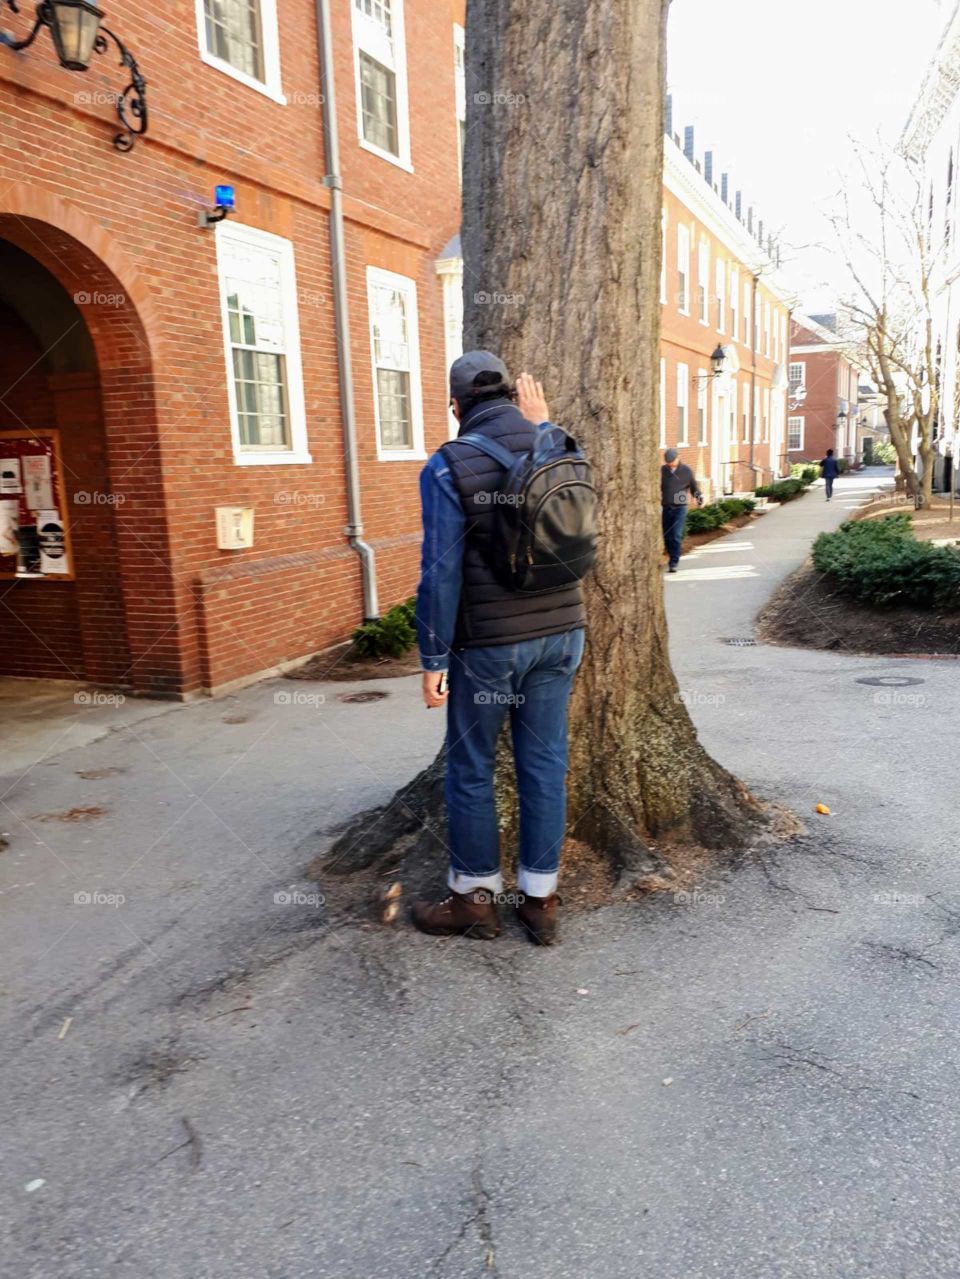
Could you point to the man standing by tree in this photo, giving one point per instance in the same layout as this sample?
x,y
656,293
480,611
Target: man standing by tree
x,y
677,485
829,469
505,653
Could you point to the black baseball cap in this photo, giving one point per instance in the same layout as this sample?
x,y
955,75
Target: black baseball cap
x,y
465,371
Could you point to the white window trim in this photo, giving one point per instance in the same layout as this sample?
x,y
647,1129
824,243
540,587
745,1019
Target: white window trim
x,y
272,87
403,160
703,403
683,266
721,283
766,415
663,403
390,279
298,453
797,448
703,280
663,255
460,88
683,402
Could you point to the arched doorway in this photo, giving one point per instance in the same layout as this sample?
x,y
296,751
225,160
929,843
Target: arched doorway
x,y
76,384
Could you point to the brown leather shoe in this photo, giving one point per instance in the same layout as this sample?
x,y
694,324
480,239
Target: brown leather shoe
x,y
466,914
539,916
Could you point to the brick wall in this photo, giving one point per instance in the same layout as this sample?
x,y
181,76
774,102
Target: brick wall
x,y
125,225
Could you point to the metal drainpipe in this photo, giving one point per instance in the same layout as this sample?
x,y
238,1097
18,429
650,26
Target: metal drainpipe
x,y
333,180
754,339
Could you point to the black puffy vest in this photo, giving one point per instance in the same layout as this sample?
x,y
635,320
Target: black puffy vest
x,y
490,613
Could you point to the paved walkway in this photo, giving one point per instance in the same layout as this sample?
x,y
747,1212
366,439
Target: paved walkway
x,y
756,1081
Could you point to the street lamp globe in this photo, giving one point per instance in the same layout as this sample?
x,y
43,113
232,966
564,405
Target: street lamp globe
x,y
74,26
718,361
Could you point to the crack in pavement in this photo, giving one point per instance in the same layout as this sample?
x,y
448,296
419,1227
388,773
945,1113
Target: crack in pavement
x,y
481,1219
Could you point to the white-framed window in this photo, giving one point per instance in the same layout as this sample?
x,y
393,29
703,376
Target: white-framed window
x,y
794,434
683,404
381,74
261,328
746,413
663,255
242,39
783,337
395,356
766,415
766,329
703,281
735,303
460,87
721,296
683,268
796,375
746,316
663,403
703,381
755,424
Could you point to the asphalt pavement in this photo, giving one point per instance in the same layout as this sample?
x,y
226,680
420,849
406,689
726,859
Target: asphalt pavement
x,y
752,1079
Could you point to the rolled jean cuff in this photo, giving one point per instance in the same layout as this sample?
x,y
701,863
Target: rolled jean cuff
x,y
537,883
461,883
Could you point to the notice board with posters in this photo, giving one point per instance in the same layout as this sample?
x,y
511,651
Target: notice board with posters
x,y
34,534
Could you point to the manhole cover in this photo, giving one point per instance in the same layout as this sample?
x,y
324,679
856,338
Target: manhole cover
x,y
372,695
891,681
741,641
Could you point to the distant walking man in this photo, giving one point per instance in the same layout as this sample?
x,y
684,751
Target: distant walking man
x,y
508,655
829,469
677,485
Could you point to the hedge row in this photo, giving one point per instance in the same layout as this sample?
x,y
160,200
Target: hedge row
x,y
881,562
705,519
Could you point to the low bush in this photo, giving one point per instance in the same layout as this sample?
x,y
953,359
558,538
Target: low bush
x,y
806,472
782,490
389,636
881,562
843,465
868,452
714,515
884,453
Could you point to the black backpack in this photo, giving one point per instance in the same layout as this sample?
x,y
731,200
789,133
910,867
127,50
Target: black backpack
x,y
546,525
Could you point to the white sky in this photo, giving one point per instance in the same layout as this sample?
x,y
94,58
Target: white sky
x,y
778,90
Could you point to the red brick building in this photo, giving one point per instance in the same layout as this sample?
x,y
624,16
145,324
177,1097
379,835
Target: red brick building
x,y
824,410
153,369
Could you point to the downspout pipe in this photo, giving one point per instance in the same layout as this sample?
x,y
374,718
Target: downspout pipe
x,y
341,314
754,342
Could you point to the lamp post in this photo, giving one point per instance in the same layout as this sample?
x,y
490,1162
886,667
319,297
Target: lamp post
x,y
77,31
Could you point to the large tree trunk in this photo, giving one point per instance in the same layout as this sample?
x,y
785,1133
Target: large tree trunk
x,y
561,239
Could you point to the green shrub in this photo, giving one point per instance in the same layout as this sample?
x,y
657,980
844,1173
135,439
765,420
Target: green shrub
x,y
714,515
806,472
884,453
881,562
843,465
782,490
389,636
868,452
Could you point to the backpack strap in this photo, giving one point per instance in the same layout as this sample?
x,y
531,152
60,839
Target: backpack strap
x,y
492,449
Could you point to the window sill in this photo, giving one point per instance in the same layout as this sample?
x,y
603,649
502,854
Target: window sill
x,y
401,162
271,91
407,455
266,458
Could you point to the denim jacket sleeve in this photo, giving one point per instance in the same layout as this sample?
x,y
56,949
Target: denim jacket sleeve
x,y
441,570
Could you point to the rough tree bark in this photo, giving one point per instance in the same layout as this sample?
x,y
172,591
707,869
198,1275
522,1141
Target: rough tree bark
x,y
561,239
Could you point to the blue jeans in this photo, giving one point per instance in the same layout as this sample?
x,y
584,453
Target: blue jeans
x,y
829,483
530,680
674,520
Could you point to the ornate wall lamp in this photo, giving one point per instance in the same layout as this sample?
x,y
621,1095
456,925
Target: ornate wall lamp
x,y
76,28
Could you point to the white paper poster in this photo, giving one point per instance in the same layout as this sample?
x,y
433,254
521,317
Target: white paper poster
x,y
53,543
9,523
36,481
9,475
